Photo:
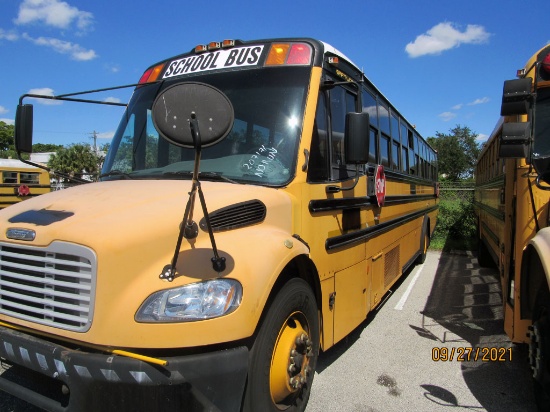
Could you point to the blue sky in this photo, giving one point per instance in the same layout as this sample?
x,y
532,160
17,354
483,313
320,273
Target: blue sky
x,y
441,63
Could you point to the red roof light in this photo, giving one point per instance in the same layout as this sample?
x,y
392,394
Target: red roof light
x,y
145,76
151,74
546,63
300,53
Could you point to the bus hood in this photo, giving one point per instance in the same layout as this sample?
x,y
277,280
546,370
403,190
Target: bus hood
x,y
119,236
116,213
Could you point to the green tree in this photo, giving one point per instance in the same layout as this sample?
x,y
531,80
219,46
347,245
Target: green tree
x,y
457,152
6,136
45,147
76,160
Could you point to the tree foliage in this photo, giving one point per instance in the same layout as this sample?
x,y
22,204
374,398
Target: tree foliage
x,y
76,160
456,222
7,144
457,152
45,147
6,136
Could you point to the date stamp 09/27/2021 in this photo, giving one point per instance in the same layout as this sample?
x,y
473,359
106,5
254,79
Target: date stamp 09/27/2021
x,y
471,354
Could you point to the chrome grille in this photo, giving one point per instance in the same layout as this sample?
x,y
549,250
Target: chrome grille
x,y
53,286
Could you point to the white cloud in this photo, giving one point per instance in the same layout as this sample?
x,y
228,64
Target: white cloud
x,y
54,13
10,36
7,121
45,91
457,106
446,116
482,137
445,36
112,100
479,101
106,135
3,110
113,68
76,51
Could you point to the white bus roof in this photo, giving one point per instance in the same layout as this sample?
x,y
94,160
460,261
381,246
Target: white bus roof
x,y
15,164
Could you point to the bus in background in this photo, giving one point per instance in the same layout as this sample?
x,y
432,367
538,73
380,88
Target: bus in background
x,y
21,181
315,196
512,206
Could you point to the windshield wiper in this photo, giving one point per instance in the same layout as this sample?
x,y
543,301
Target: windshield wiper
x,y
116,173
203,175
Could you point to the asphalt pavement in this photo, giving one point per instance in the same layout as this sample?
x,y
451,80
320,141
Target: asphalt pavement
x,y
412,353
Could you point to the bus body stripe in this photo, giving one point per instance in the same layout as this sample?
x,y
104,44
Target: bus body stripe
x,y
372,231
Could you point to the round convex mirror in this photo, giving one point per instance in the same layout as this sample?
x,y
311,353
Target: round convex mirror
x,y
173,107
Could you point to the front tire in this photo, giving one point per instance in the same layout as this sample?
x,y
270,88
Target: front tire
x,y
284,354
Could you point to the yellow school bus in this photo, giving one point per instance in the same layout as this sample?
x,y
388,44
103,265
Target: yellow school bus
x,y
512,195
258,200
21,181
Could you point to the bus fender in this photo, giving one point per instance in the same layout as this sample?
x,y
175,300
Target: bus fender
x,y
535,268
272,254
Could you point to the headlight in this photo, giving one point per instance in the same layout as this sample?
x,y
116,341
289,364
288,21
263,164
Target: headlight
x,y
203,300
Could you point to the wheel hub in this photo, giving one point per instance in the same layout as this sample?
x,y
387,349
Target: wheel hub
x,y
290,366
299,369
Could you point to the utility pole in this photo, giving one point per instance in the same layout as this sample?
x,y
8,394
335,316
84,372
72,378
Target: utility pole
x,y
94,136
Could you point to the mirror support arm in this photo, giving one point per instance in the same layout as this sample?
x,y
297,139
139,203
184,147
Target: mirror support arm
x,y
189,228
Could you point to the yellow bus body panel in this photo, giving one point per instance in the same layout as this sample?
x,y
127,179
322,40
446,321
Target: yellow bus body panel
x,y
14,174
131,260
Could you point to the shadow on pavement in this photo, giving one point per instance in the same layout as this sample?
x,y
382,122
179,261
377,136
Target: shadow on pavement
x,y
465,310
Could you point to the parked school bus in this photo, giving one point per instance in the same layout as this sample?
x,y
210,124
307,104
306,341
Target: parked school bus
x,y
304,193
21,181
512,196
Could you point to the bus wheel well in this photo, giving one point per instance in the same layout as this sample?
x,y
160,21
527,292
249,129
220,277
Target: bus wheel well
x,y
299,267
533,280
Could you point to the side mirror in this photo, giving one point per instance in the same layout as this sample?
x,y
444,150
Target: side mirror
x,y
516,96
176,107
514,140
23,128
357,138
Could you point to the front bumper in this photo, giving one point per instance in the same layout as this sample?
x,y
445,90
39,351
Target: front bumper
x,y
57,378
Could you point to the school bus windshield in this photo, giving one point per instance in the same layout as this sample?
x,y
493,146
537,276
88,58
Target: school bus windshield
x,y
260,149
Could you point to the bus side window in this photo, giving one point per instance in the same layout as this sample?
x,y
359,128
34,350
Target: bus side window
x,y
412,158
404,159
342,101
373,153
396,149
318,158
395,155
371,107
384,151
9,177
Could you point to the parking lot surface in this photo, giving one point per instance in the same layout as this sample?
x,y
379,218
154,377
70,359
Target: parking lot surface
x,y
399,359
